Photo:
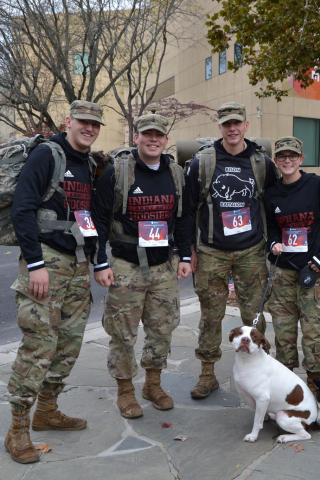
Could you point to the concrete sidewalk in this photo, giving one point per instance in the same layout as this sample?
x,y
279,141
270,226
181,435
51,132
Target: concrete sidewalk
x,y
114,448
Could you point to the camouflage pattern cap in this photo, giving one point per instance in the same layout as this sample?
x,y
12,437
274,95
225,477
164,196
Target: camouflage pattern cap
x,y
83,110
152,121
288,143
231,111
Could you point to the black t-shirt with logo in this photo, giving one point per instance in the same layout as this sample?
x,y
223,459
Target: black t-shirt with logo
x,y
152,197
232,188
295,205
33,181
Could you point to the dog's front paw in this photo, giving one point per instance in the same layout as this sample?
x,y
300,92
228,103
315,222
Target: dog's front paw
x,y
250,438
284,438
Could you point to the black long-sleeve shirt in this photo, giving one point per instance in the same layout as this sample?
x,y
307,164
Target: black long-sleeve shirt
x,y
232,187
294,205
33,182
152,197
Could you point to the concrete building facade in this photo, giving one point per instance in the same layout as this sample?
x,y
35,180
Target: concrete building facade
x,y
193,73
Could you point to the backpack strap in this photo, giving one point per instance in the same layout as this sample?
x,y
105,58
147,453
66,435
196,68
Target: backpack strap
x,y
66,226
207,165
258,164
124,178
178,177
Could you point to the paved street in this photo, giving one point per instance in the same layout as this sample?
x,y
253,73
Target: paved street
x,y
118,449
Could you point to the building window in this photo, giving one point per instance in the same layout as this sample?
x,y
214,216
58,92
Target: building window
x,y
164,89
238,54
222,62
208,68
80,61
308,130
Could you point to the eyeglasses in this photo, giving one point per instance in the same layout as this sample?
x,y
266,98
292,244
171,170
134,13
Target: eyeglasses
x,y
292,158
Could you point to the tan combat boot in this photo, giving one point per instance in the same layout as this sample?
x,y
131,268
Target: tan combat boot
x,y
48,417
18,441
207,381
152,390
310,377
127,402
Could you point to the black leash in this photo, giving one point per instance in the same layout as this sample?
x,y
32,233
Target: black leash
x,y
255,321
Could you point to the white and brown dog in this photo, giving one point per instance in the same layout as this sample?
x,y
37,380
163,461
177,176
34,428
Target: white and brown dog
x,y
269,387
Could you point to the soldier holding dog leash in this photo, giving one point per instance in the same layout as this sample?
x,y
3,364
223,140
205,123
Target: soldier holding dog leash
x,y
293,220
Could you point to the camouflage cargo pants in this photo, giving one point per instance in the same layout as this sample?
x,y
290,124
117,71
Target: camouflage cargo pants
x,y
52,328
250,276
289,303
155,302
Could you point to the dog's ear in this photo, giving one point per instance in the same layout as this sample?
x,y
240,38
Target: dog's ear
x,y
265,344
231,335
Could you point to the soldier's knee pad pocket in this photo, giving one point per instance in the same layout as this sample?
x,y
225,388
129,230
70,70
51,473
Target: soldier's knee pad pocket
x,y
201,281
21,368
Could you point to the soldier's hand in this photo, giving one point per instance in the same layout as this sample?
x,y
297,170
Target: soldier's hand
x,y
39,282
194,260
277,249
184,269
104,277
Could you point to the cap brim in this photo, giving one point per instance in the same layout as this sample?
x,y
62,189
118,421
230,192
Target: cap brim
x,y
231,117
286,147
152,127
85,116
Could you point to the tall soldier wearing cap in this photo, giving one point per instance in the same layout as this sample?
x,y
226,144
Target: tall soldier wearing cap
x,y
53,287
237,241
142,275
293,216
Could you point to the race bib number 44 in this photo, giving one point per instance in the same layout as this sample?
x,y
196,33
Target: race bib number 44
x,y
294,240
86,225
236,221
153,234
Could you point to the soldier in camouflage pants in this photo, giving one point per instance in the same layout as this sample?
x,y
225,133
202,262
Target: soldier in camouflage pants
x,y
250,276
224,184
52,328
53,287
155,302
293,218
128,210
289,303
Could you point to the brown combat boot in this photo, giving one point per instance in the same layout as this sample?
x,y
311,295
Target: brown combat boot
x,y
152,390
127,402
207,381
48,417
310,377
18,441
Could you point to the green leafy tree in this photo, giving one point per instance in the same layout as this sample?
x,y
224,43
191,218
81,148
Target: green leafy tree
x,y
279,38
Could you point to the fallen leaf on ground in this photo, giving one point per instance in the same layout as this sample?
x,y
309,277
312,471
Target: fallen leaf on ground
x,y
298,448
289,445
238,465
166,425
8,253
182,438
105,411
43,447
